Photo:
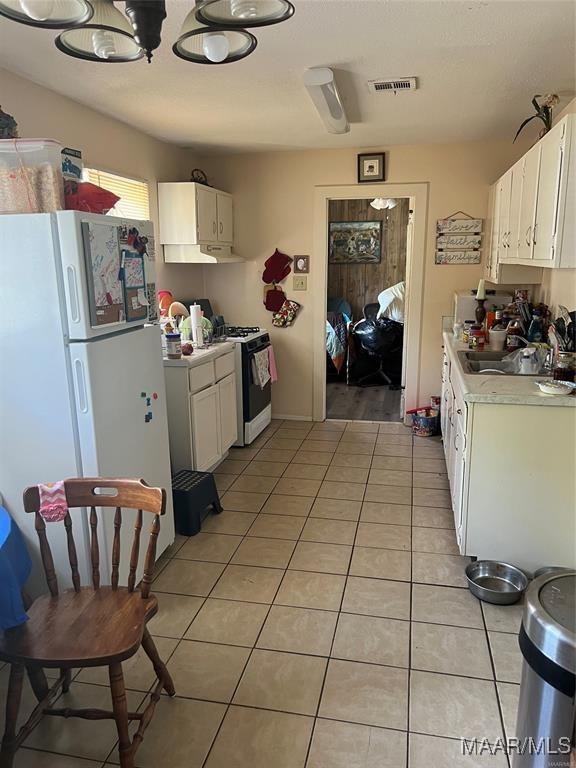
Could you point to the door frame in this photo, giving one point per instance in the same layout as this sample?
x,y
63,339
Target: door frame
x,y
415,260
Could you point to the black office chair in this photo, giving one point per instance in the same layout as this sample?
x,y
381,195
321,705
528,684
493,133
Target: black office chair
x,y
371,310
379,341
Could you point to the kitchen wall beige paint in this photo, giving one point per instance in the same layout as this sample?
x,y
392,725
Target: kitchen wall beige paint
x,y
107,144
273,196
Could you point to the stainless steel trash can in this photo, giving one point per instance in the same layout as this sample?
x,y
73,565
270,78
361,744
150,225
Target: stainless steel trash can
x,y
546,711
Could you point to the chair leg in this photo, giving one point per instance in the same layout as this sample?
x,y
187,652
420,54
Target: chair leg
x,y
38,682
67,675
120,709
12,709
159,666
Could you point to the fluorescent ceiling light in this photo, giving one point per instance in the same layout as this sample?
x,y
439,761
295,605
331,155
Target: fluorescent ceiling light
x,y
319,82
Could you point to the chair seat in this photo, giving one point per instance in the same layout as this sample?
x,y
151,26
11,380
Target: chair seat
x,y
80,629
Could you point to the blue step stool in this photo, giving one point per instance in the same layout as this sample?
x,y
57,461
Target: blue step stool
x,y
193,493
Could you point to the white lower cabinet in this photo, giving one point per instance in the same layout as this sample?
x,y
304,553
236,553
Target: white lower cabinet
x,y
202,422
205,417
228,420
511,474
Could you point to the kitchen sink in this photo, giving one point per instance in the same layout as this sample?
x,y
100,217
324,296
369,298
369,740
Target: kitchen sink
x,y
488,363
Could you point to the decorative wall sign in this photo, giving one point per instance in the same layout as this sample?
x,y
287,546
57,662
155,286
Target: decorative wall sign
x,y
457,257
455,240
458,240
463,226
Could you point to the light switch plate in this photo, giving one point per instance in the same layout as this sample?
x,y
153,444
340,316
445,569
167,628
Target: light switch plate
x,y
300,283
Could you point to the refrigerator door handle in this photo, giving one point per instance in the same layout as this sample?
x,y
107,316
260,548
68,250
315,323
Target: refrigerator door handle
x,y
73,294
81,386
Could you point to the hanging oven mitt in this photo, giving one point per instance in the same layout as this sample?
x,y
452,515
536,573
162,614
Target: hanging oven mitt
x,y
287,314
277,267
274,299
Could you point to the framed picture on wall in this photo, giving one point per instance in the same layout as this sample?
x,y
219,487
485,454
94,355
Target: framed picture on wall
x,y
371,167
355,242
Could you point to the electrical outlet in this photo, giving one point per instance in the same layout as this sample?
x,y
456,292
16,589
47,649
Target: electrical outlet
x,y
300,283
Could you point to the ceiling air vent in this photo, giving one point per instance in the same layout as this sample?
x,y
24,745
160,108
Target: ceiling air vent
x,y
393,86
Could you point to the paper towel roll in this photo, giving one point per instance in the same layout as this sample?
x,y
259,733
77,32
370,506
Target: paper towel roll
x,y
196,323
195,314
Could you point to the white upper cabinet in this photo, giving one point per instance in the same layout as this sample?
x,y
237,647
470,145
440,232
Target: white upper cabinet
x,y
196,223
206,217
552,157
528,207
225,218
542,200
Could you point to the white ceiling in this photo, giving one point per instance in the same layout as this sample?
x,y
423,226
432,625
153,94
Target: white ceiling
x,y
478,62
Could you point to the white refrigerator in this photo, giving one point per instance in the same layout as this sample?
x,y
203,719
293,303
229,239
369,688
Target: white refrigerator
x,y
82,389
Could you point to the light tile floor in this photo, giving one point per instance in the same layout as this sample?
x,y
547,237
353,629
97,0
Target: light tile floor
x,y
322,620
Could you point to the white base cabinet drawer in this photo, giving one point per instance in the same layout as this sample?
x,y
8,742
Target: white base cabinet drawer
x,y
225,365
201,377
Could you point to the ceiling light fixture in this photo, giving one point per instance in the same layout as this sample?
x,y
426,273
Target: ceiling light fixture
x,y
108,37
95,30
212,45
320,84
243,13
381,203
51,14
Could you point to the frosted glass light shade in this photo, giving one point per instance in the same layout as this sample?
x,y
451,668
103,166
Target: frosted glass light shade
x,y
194,42
50,14
243,13
108,37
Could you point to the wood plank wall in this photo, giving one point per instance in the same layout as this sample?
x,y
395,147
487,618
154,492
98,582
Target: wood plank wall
x,y
360,284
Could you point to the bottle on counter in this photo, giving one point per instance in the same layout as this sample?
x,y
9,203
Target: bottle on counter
x,y
173,346
564,367
536,328
514,332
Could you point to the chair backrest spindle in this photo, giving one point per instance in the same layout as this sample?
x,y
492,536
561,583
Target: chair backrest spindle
x,y
104,493
94,549
150,557
72,557
116,547
46,555
135,553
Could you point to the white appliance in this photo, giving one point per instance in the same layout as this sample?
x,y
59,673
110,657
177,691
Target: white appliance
x,y
465,304
82,388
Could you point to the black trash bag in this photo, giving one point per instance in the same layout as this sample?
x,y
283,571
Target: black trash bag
x,y
380,337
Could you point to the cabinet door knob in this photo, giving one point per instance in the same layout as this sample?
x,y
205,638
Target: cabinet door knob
x,y
214,227
221,227
459,410
528,235
534,234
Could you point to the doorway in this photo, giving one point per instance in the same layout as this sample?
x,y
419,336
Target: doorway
x,y
367,245
417,196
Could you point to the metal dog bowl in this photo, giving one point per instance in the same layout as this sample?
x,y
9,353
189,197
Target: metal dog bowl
x,y
494,582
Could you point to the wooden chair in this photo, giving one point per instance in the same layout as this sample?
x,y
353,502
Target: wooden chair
x,y
87,626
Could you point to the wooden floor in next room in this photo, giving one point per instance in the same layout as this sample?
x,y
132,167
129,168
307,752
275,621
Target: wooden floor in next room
x,y
380,403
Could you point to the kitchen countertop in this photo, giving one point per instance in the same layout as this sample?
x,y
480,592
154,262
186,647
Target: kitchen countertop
x,y
511,390
200,356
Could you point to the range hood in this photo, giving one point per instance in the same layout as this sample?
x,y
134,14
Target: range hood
x,y
207,253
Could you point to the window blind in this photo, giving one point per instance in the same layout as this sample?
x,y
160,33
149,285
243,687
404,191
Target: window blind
x,y
134,200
